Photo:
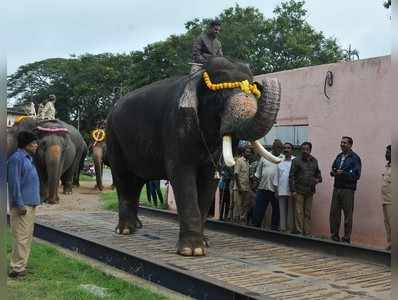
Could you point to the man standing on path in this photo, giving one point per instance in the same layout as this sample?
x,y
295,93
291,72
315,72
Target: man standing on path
x,y
241,186
265,194
303,177
346,170
281,183
24,196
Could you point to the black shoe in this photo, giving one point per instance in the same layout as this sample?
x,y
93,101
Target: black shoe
x,y
344,240
14,274
335,238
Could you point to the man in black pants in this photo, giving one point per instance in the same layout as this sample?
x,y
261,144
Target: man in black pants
x,y
346,170
153,190
266,191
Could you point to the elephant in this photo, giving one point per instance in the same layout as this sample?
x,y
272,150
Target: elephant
x,y
58,156
179,129
100,159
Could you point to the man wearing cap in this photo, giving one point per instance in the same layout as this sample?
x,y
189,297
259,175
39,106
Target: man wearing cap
x,y
206,45
24,196
46,109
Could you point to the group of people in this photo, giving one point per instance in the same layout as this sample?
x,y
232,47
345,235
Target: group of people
x,y
247,189
45,110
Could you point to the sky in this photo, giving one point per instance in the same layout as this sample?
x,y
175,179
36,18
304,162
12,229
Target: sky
x,y
41,29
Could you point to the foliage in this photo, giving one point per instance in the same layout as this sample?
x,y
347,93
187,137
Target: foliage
x,y
86,86
52,275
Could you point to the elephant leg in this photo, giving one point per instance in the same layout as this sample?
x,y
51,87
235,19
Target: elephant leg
x,y
128,189
190,241
67,180
207,187
98,166
43,185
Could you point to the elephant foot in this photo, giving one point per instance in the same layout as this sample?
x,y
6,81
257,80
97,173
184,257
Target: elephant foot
x,y
191,244
67,190
128,227
98,187
52,201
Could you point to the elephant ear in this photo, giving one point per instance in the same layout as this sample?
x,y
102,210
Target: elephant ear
x,y
189,98
187,113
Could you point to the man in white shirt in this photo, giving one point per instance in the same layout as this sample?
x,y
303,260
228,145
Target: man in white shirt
x,y
265,194
281,183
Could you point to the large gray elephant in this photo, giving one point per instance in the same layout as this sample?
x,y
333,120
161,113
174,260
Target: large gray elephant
x,y
58,156
179,129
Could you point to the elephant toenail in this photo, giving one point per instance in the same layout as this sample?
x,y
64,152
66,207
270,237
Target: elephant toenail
x,y
198,252
186,251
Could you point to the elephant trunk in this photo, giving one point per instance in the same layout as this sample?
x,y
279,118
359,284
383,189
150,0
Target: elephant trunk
x,y
53,166
247,120
267,109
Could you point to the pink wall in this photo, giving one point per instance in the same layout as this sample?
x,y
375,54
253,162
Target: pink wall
x,y
359,106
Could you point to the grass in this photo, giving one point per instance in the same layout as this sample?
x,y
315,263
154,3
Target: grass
x,y
110,202
54,276
83,177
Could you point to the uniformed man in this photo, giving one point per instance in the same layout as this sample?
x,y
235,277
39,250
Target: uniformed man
x,y
386,192
241,187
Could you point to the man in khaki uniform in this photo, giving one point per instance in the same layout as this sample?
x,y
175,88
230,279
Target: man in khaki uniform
x,y
241,187
46,110
23,192
386,192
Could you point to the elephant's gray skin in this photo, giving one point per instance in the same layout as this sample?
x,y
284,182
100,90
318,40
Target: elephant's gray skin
x,y
76,179
57,157
173,129
100,159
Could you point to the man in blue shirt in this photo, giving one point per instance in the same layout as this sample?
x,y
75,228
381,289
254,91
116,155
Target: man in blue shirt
x,y
24,196
346,170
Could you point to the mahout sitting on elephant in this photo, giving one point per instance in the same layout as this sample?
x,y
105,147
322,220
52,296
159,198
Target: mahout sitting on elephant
x,y
178,129
61,149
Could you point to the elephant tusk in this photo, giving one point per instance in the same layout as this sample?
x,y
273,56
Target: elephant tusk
x,y
227,151
264,153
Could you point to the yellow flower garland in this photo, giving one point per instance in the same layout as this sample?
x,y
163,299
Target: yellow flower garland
x,y
244,85
98,135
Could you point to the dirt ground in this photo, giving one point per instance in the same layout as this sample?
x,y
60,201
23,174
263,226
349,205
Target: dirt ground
x,y
83,198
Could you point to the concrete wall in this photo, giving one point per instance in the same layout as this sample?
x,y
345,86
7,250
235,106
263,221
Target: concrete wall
x,y
360,106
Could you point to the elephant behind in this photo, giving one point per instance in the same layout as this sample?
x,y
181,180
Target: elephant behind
x,y
60,150
177,129
100,158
